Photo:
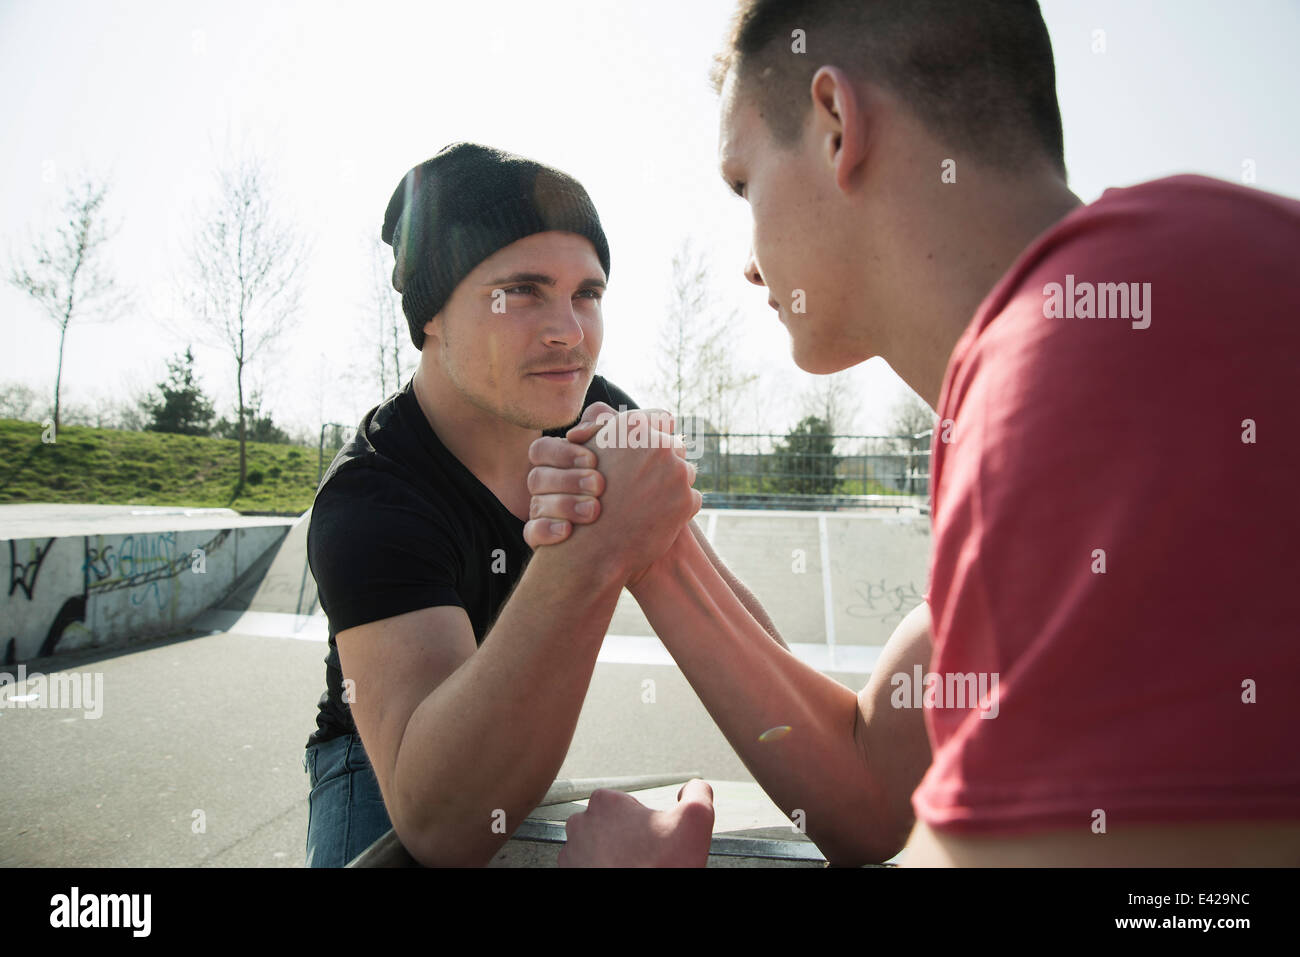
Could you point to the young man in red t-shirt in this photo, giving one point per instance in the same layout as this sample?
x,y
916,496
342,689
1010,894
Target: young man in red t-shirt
x,y
1113,563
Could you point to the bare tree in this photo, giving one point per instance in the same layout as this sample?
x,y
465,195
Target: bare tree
x,y
697,345
391,322
20,401
910,415
247,266
912,421
834,400
68,279
679,336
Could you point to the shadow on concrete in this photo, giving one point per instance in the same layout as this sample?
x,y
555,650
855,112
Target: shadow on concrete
x,y
279,581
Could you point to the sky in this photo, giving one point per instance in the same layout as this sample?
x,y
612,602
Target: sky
x,y
342,98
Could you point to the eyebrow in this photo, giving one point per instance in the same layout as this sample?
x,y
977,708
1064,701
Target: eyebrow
x,y
542,280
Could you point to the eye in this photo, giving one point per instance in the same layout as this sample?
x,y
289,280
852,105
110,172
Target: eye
x,y
590,293
511,290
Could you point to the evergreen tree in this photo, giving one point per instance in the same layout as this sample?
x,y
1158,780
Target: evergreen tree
x,y
805,461
181,406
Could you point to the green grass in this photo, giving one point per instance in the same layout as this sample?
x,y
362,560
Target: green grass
x,y
112,467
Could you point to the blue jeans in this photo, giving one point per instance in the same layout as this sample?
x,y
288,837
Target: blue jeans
x,y
346,812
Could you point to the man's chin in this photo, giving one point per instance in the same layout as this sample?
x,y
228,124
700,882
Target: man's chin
x,y
567,405
552,418
821,362
537,421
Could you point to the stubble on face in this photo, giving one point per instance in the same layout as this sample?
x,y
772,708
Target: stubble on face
x,y
482,385
489,357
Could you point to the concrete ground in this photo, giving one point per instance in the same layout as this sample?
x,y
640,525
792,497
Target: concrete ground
x,y
197,758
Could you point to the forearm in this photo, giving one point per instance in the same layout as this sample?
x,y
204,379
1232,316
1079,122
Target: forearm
x,y
492,736
751,685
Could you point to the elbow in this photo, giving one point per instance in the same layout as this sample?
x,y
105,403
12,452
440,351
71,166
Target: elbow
x,y
437,831
437,834
441,830
876,835
432,845
863,853
859,853
460,833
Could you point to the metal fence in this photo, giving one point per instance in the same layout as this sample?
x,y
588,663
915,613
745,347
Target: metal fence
x,y
771,470
812,466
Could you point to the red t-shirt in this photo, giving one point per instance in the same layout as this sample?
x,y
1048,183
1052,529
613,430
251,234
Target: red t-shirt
x,y
1116,535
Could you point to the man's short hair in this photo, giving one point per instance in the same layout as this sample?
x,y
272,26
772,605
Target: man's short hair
x,y
978,73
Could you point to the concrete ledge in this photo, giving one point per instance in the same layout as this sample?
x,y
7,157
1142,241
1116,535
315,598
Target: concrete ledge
x,y
57,520
77,587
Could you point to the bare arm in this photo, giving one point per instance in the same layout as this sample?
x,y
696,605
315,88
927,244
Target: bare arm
x,y
465,741
459,737
850,762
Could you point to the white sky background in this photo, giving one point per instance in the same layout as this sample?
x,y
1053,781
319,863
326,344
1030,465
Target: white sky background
x,y
343,98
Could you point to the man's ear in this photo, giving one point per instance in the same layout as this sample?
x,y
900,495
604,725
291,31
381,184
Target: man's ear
x,y
840,114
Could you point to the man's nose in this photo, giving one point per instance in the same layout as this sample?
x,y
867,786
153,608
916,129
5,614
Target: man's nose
x,y
562,326
751,270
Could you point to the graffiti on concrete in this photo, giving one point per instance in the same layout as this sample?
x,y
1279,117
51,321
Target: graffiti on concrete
x,y
72,609
23,574
145,567
878,601
143,563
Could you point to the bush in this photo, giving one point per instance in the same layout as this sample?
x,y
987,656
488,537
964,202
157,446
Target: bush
x,y
255,477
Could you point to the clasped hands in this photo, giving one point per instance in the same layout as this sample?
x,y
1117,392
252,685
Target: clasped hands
x,y
634,462
628,466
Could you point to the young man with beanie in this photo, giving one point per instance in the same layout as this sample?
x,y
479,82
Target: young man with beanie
x,y
416,531
1109,477
457,664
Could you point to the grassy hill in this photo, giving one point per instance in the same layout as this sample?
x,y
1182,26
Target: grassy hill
x,y
113,467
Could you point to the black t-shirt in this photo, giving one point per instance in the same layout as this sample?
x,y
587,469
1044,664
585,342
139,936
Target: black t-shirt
x,y
400,524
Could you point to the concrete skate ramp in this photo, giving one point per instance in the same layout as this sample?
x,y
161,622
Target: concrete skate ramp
x,y
835,584
281,580
103,576
276,598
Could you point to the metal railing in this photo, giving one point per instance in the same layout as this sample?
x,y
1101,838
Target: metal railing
x,y
766,465
773,470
